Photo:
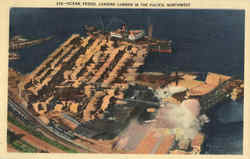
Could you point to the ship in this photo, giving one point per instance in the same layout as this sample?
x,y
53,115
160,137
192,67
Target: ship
x,y
18,42
129,35
13,56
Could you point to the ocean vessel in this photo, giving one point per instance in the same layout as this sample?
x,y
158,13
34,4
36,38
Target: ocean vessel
x,y
128,35
18,42
14,56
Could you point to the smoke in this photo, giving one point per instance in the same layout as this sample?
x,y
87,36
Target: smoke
x,y
179,120
176,119
183,120
168,91
131,136
163,93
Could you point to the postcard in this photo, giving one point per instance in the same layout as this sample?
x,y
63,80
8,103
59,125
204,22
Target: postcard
x,y
124,79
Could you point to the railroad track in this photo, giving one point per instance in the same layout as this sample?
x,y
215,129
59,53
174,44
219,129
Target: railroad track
x,y
43,127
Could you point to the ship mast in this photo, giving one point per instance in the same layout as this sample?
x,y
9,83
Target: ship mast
x,y
150,28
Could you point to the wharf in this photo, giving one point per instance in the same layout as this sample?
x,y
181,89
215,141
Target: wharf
x,y
79,63
87,78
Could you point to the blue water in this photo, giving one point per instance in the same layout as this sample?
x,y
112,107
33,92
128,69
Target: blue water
x,y
224,134
204,40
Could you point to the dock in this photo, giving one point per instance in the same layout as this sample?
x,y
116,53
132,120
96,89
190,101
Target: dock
x,y
78,63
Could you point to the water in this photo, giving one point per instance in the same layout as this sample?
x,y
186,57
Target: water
x,y
204,40
224,133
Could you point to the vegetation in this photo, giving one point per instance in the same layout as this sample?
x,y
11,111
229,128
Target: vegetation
x,y
40,135
20,145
